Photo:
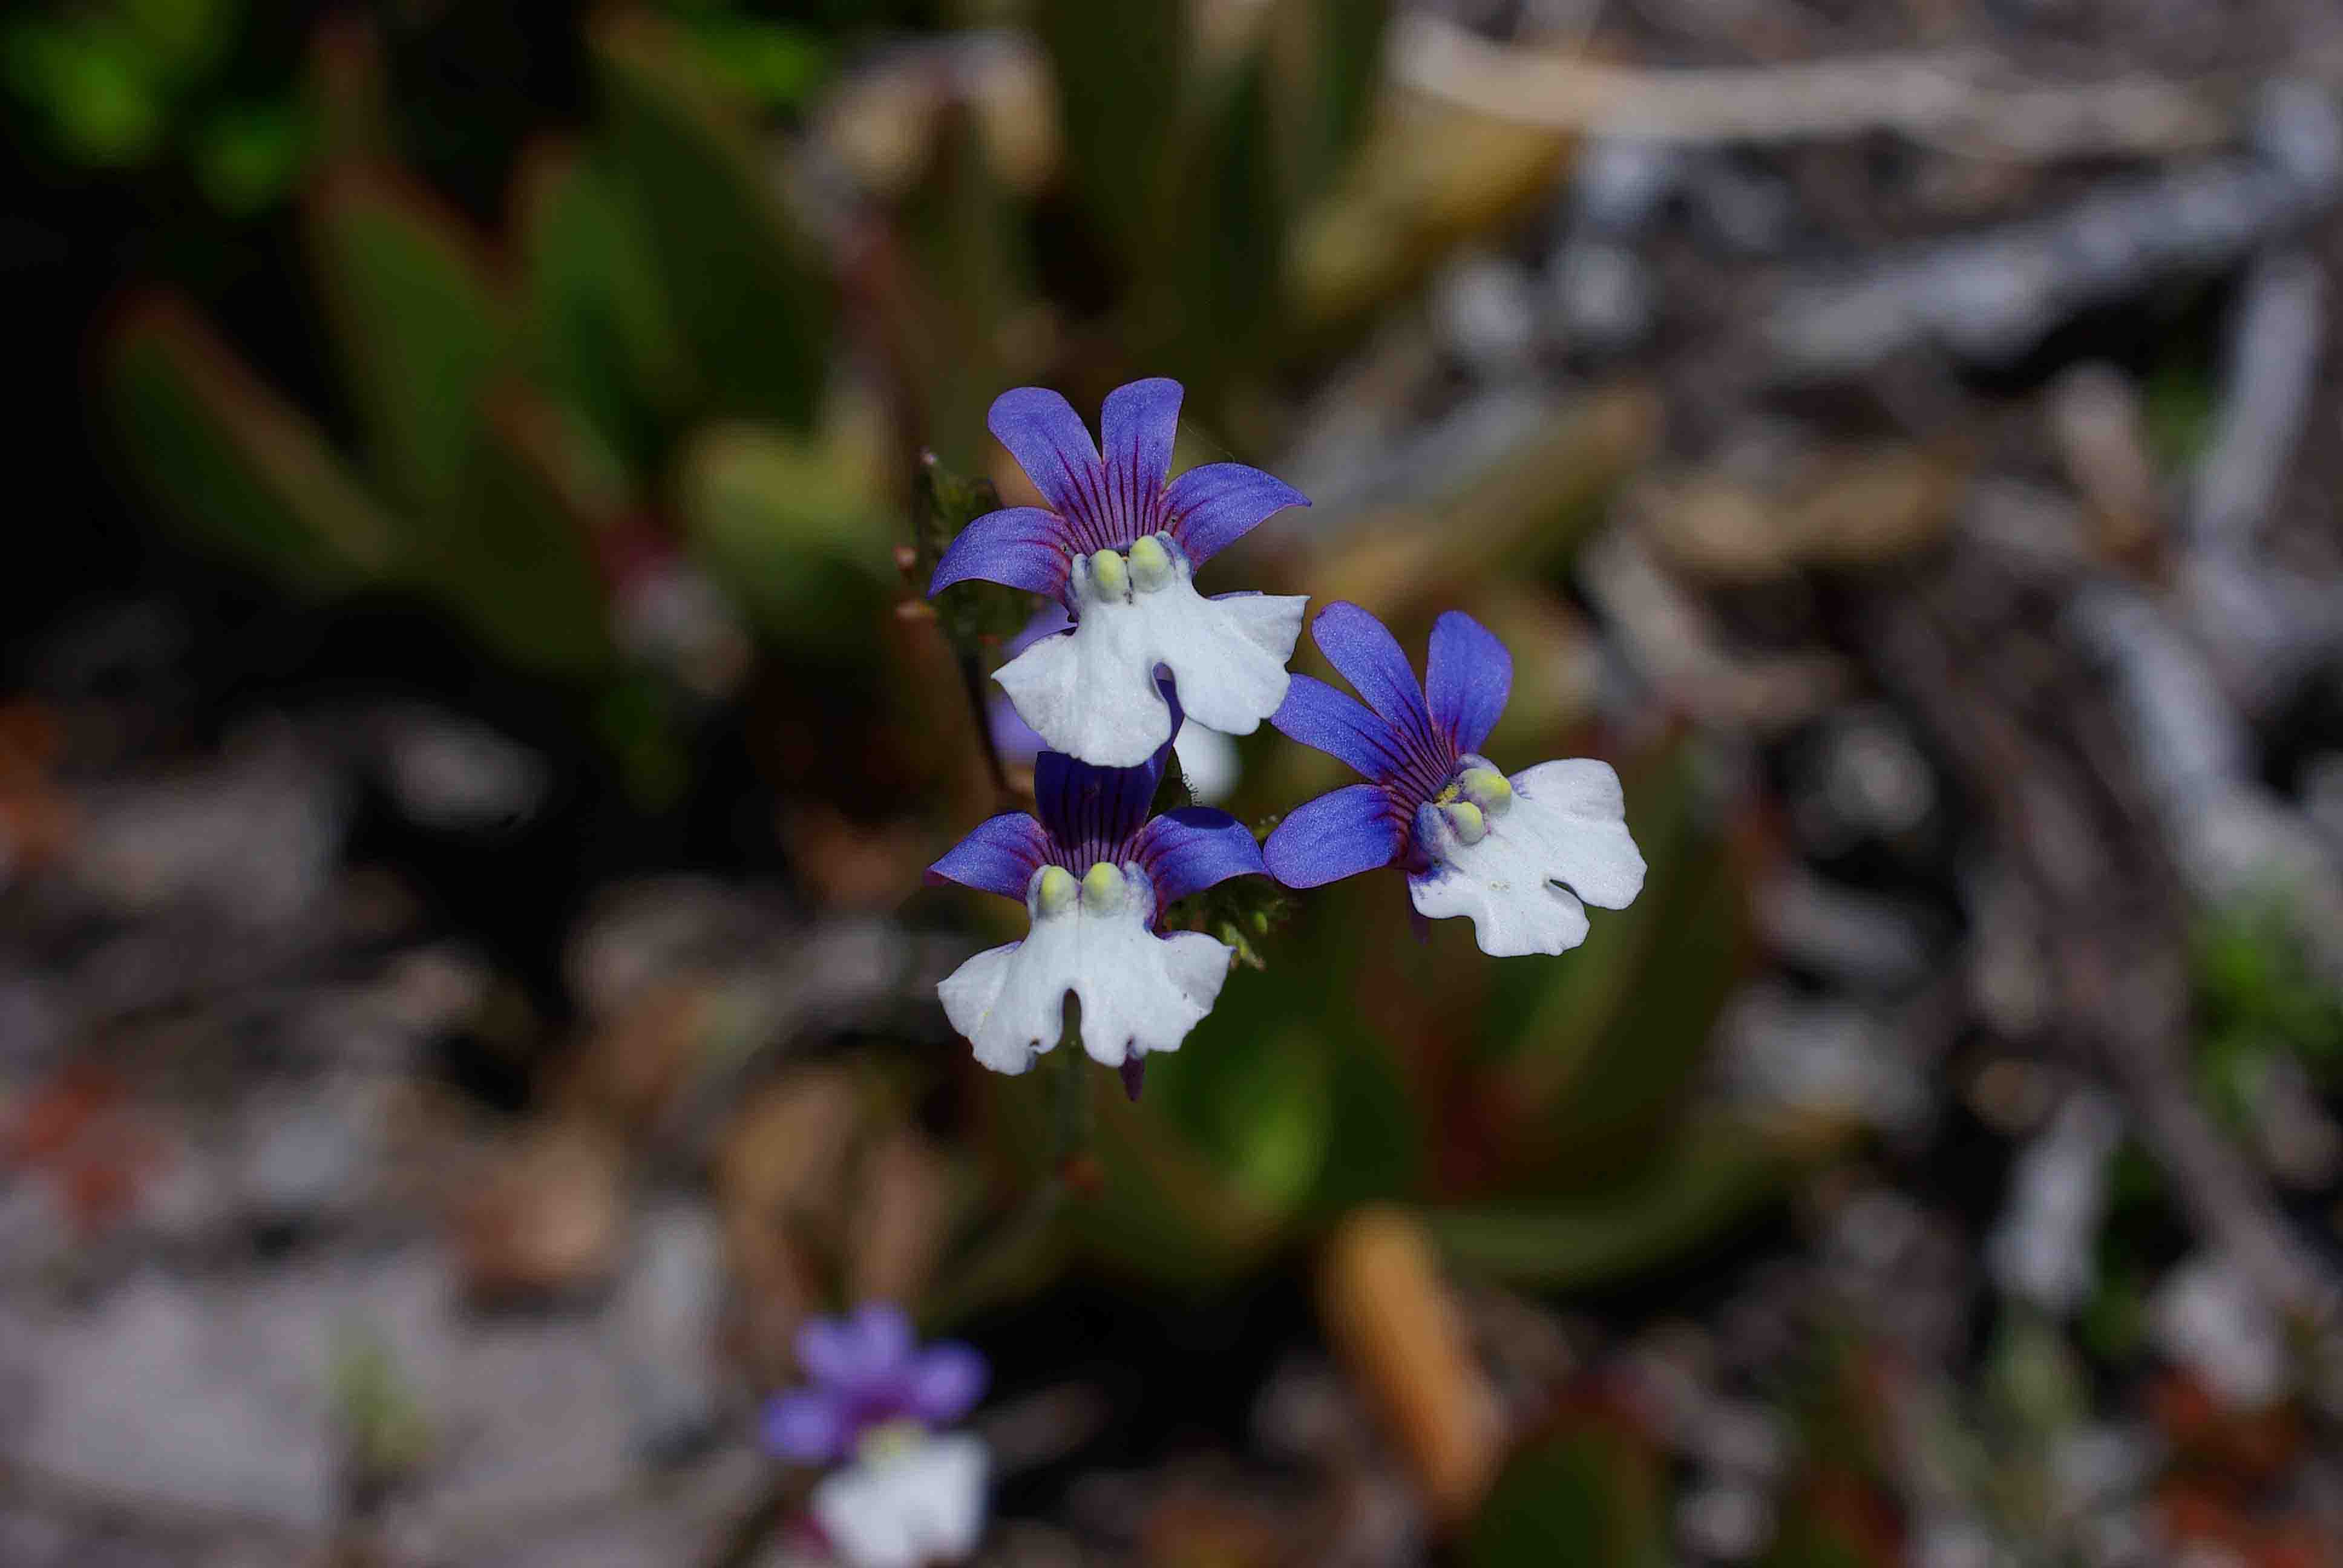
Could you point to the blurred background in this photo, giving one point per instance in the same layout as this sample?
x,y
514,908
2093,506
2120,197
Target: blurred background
x,y
468,748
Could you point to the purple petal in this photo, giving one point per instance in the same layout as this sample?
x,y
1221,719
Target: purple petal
x,y
1341,726
1048,622
945,1383
1334,836
1022,547
826,1352
1012,737
1214,506
882,1340
806,1426
1194,847
1048,439
1368,656
1137,427
1467,677
854,1352
1000,856
1090,811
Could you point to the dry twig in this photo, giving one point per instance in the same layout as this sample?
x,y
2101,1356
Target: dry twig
x,y
2029,735
1969,102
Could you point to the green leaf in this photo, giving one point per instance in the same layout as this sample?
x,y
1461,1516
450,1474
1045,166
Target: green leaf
x,y
1257,1108
1168,1211
229,461
1713,1176
99,89
182,39
773,518
420,327
519,563
1349,57
247,156
768,63
750,289
1226,269
1589,1493
600,332
968,277
1164,1211
1120,73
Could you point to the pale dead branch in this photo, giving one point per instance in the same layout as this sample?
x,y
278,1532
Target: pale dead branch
x,y
1970,101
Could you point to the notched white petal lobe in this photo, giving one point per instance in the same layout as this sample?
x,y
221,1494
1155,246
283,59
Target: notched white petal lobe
x,y
1561,843
909,1508
1139,992
1577,811
1092,694
973,997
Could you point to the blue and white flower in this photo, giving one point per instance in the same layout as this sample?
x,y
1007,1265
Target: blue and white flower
x,y
1096,874
1208,759
1521,857
902,1492
1119,547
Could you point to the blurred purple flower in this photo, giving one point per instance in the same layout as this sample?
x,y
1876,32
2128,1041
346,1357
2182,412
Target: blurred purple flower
x,y
865,1373
1118,546
1096,874
1521,857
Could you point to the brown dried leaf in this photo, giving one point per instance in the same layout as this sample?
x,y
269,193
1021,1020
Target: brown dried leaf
x,y
1393,1320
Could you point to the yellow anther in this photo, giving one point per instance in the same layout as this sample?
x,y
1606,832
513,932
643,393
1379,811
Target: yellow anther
x,y
1055,895
888,1440
1465,820
1109,574
1151,564
1487,788
1102,889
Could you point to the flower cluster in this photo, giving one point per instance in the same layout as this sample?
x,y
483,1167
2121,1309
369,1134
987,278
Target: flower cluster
x,y
1117,545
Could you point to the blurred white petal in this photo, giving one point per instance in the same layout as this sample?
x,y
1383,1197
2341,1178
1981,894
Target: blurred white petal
x,y
909,1508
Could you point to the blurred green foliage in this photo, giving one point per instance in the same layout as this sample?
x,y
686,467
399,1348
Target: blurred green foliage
x,y
2259,1001
1592,1491
108,84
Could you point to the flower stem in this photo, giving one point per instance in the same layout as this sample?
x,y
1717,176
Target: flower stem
x,y
971,680
1072,1109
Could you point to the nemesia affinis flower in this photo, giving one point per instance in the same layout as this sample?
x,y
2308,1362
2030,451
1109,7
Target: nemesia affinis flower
x,y
903,1497
866,1374
1096,874
1119,547
1521,857
1208,758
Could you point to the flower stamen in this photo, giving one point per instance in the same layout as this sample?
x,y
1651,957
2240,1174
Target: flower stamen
x,y
1485,787
890,1439
1110,577
1052,892
1104,890
1150,565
